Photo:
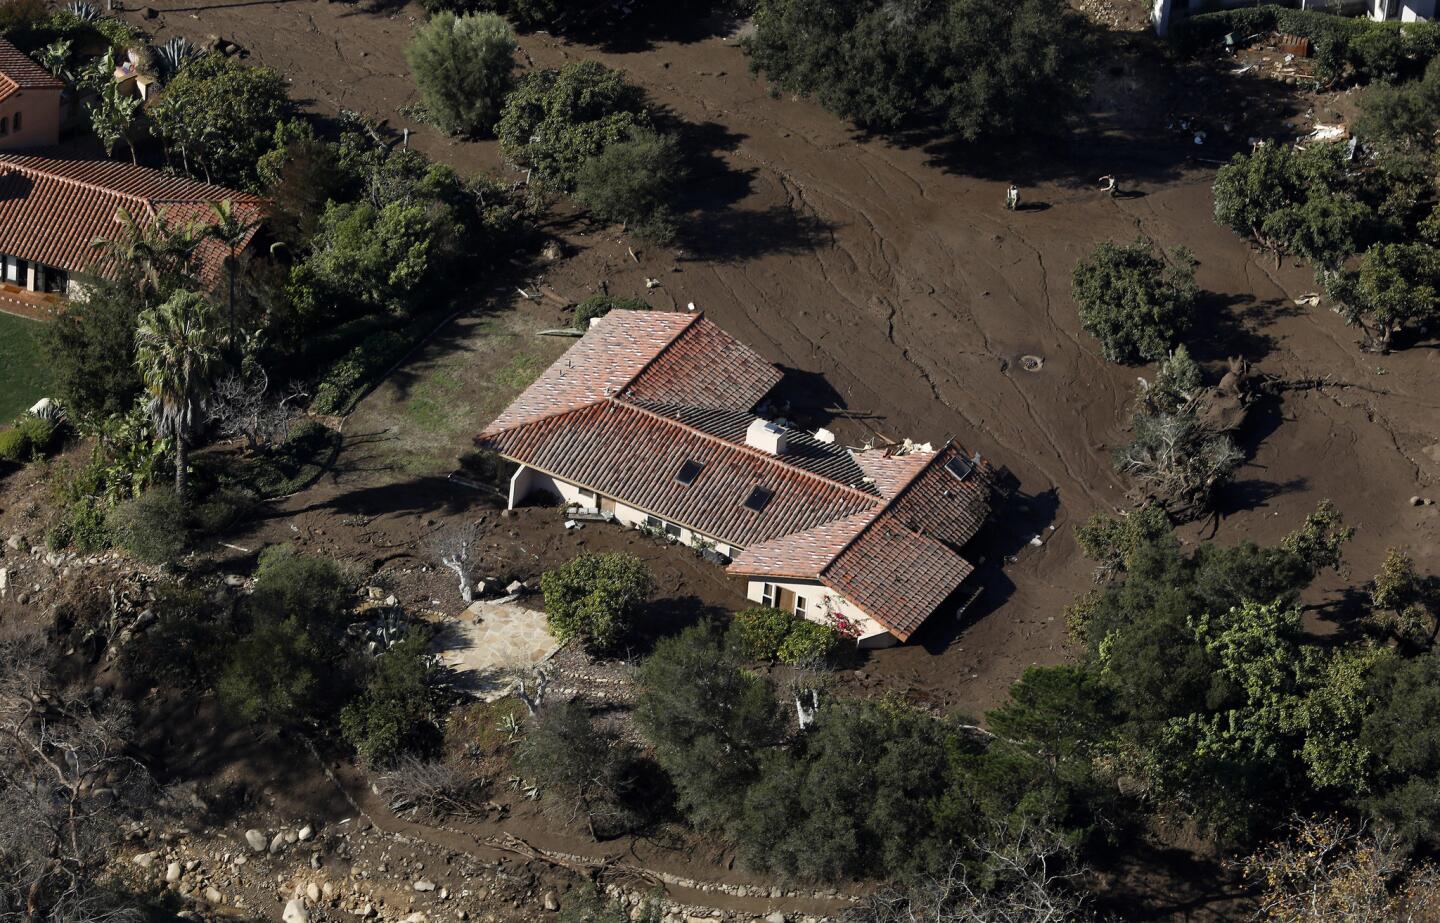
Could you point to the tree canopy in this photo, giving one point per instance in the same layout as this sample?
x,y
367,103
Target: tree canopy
x,y
464,68
978,68
1137,303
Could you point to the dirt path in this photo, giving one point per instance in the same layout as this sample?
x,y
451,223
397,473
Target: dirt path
x,y
892,282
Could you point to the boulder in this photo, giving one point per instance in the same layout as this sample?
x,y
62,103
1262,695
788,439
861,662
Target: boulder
x,y
145,859
277,843
295,912
424,884
212,895
550,902
775,916
312,892
173,872
256,839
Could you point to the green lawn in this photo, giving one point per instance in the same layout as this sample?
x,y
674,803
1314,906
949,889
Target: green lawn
x,y
23,376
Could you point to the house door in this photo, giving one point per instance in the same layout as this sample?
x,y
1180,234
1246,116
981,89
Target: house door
x,y
785,601
607,505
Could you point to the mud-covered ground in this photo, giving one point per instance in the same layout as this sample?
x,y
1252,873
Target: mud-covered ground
x,y
888,278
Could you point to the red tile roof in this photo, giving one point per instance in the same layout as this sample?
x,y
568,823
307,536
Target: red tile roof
x,y
52,210
19,72
633,454
642,393
898,577
706,367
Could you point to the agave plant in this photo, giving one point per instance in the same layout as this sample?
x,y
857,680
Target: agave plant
x,y
85,12
175,54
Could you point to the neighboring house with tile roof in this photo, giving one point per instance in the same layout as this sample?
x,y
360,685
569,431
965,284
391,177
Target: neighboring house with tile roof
x,y
54,209
651,418
29,102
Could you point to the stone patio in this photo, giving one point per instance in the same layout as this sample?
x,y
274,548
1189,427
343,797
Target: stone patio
x,y
492,644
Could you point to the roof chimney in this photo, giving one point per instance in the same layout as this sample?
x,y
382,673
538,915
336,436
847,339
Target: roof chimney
x,y
767,437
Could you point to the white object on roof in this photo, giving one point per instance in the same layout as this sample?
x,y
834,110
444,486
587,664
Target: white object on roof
x,y
824,435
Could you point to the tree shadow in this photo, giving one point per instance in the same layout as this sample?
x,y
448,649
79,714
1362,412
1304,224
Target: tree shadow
x,y
1252,494
1224,327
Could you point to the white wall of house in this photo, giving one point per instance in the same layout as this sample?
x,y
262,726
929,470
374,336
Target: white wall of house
x,y
821,604
1402,10
527,482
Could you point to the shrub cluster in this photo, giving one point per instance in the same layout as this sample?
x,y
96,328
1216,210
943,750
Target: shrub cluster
x,y
596,598
769,634
27,437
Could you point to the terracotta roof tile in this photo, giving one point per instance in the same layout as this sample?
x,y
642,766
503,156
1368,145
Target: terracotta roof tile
x,y
898,577
802,555
890,472
600,364
19,72
52,209
706,367
940,504
589,447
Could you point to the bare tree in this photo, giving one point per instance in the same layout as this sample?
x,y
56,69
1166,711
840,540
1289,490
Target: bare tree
x,y
65,785
433,789
1027,876
242,405
452,548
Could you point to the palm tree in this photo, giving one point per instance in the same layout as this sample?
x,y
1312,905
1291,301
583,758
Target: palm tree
x,y
231,230
178,353
162,254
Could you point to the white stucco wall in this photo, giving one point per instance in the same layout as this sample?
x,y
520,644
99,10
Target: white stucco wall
x,y
821,602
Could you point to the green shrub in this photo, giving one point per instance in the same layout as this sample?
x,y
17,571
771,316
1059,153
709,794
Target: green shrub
x,y
182,650
808,643
1136,303
14,445
600,305
217,117
222,510
764,633
556,120
978,68
20,16
595,598
584,769
348,378
396,713
151,526
463,66
83,526
39,431
635,182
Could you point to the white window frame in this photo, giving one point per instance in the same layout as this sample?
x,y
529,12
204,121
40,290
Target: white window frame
x,y
769,594
800,605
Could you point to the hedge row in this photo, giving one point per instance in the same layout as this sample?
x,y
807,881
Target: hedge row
x,y
1341,45
355,373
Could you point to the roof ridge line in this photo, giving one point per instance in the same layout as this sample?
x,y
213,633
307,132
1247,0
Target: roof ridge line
x,y
885,508
614,399
70,180
690,321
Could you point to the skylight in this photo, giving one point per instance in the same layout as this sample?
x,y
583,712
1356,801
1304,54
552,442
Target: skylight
x,y
960,466
689,472
758,498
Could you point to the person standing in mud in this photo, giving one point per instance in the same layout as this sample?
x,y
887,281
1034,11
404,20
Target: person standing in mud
x,y
1108,185
1012,197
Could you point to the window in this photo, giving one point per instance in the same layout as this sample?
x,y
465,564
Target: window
x,y
17,122
654,522
689,472
960,467
4,126
14,270
56,281
672,530
768,594
759,498
589,498
800,606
